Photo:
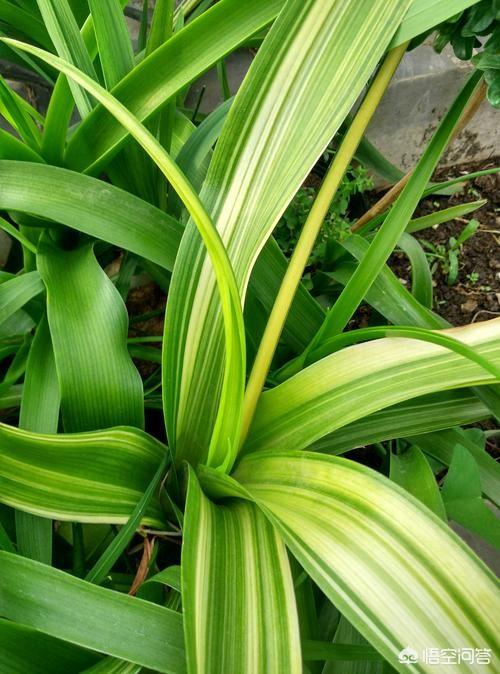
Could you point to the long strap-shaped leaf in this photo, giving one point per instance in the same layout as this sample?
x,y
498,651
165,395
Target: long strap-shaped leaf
x,y
39,413
223,441
84,477
168,70
80,613
396,571
362,379
199,46
65,34
108,213
90,206
306,76
410,418
16,292
237,591
100,386
23,649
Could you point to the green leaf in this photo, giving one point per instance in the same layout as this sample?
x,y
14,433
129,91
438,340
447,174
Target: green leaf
x,y
17,292
397,573
441,446
25,23
395,223
283,109
91,206
237,591
13,108
109,557
182,59
80,613
362,379
224,440
416,416
426,14
461,494
100,386
411,470
444,215
13,148
324,650
23,649
113,41
39,413
82,477
65,34
421,276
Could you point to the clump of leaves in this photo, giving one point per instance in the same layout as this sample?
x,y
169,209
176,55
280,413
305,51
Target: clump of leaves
x,y
337,223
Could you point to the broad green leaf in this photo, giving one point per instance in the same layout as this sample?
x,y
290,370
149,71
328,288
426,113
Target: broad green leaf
x,y
13,148
86,615
441,446
225,436
39,413
17,292
23,650
462,498
412,471
237,591
311,56
114,666
359,380
397,572
100,386
425,14
65,34
347,634
420,415
166,72
82,477
91,206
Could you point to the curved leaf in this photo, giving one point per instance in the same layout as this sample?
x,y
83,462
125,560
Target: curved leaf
x,y
23,649
317,51
237,591
169,69
100,386
18,291
80,613
362,379
83,477
396,571
90,206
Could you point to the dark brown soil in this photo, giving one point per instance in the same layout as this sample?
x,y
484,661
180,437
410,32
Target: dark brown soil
x,y
476,293
142,300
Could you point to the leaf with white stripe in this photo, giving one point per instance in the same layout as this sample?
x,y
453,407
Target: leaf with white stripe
x,y
396,571
362,379
305,78
81,477
237,590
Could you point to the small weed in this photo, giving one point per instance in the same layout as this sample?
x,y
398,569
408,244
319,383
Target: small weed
x,y
337,223
447,256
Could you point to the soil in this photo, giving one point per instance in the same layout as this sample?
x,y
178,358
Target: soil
x,y
475,296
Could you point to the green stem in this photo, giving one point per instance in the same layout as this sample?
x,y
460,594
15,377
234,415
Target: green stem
x,y
310,232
